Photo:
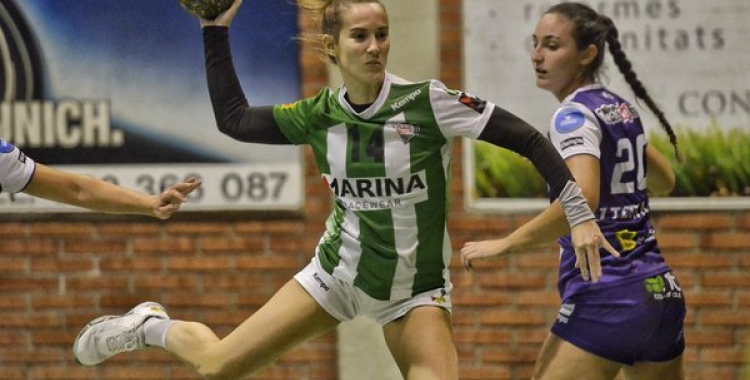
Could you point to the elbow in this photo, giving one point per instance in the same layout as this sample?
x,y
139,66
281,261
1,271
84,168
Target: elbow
x,y
671,182
224,127
227,126
663,185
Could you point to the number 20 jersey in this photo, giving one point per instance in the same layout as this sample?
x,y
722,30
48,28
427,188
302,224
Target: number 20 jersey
x,y
596,121
388,168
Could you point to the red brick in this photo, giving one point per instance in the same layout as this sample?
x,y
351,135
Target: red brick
x,y
126,264
709,298
722,355
130,229
481,299
726,279
28,247
673,241
167,246
514,356
743,221
98,248
13,372
487,336
484,372
14,265
200,264
271,262
709,337
699,222
726,241
13,229
725,318
61,229
252,245
514,318
521,280
539,298
57,265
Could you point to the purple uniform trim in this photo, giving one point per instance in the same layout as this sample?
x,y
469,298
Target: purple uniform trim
x,y
591,116
651,311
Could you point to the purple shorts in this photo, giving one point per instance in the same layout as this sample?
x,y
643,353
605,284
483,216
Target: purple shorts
x,y
641,321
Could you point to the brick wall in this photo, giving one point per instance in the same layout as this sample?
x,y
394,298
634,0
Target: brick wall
x,y
58,271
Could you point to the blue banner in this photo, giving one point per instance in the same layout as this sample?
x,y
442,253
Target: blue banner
x,y
117,89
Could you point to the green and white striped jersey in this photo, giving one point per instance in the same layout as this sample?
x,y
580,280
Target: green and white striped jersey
x,y
389,169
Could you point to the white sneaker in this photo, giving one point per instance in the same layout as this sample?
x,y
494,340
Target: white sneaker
x,y
110,335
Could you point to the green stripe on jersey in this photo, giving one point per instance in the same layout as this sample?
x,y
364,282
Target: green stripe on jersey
x,y
388,169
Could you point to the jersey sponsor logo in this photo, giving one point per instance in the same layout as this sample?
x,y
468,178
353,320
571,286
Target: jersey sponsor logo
x,y
405,131
568,120
566,310
662,289
654,284
376,187
288,106
6,147
627,239
571,142
472,102
320,282
440,297
624,212
406,100
616,113
378,193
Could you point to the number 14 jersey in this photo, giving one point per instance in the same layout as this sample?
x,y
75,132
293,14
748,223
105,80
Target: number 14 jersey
x,y
388,168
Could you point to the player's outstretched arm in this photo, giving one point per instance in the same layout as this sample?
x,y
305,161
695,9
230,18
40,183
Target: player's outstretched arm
x,y
97,195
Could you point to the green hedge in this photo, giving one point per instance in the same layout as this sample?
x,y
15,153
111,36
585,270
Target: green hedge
x,y
717,163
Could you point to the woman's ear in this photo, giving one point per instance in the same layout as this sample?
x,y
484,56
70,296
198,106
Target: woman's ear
x,y
588,55
329,47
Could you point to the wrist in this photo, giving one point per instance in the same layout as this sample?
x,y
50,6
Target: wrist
x,y
574,204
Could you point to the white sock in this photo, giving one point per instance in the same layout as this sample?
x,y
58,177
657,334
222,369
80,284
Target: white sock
x,y
155,331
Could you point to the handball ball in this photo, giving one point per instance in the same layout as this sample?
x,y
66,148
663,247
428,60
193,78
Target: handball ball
x,y
207,9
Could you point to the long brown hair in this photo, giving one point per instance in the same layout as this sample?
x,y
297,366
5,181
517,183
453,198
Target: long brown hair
x,y
592,28
328,17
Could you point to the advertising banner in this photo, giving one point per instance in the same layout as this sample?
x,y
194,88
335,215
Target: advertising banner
x,y
117,90
691,58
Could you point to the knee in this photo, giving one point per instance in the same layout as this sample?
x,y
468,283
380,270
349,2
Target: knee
x,y
224,368
218,372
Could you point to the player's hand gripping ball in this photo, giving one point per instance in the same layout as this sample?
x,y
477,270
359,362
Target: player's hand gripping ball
x,y
207,9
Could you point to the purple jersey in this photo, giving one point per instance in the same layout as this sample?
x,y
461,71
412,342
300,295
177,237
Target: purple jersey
x,y
595,121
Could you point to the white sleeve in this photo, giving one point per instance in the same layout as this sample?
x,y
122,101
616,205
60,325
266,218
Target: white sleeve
x,y
575,130
16,169
458,113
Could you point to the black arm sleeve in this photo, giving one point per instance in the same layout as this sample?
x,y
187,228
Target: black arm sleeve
x,y
508,131
234,116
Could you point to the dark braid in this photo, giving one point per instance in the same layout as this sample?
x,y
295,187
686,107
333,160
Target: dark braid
x,y
591,28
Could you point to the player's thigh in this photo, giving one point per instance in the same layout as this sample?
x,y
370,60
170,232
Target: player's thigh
x,y
560,359
289,318
669,370
421,343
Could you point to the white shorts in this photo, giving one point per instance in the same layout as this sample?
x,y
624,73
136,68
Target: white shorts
x,y
344,301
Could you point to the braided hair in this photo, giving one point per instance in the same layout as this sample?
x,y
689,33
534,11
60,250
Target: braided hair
x,y
592,28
